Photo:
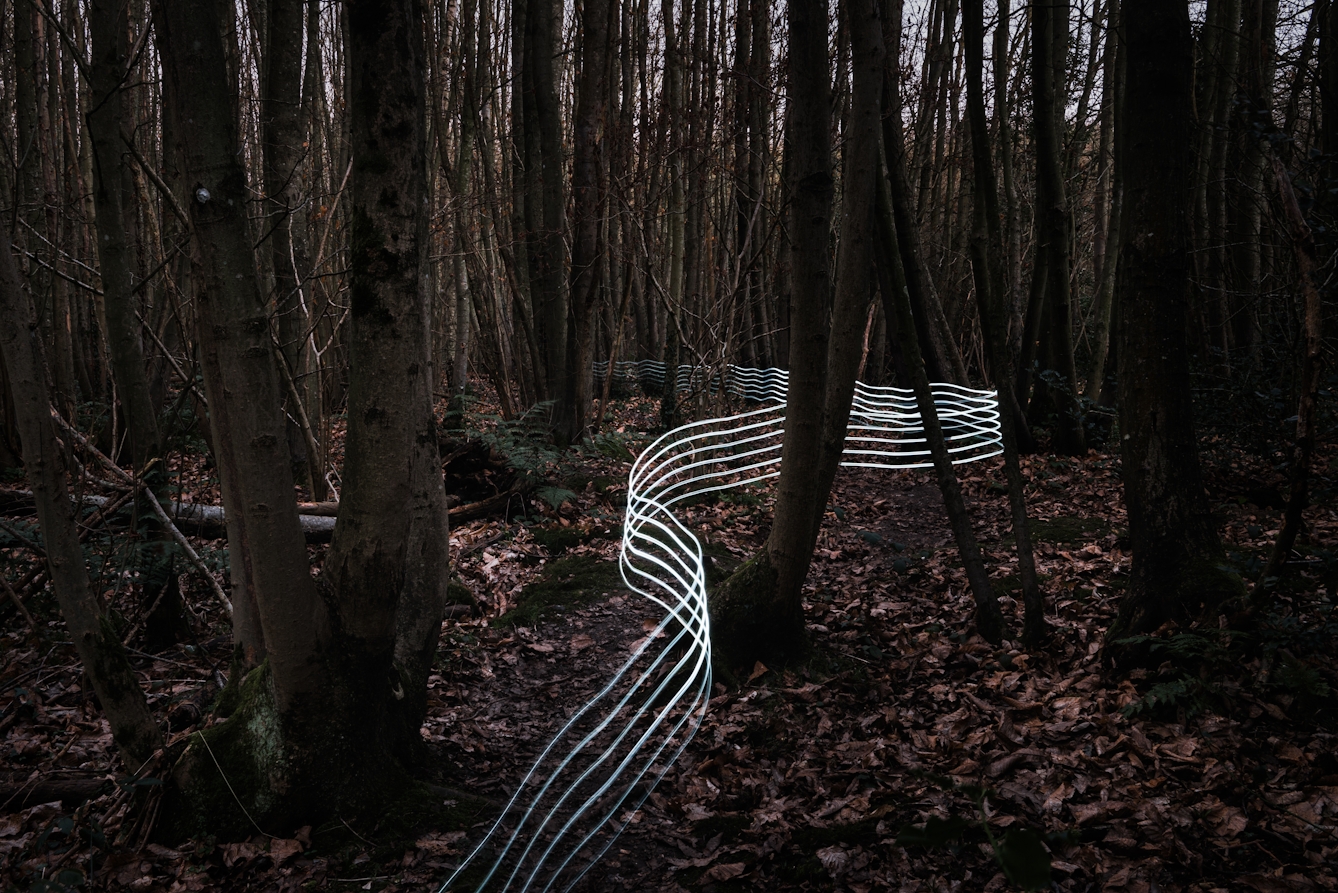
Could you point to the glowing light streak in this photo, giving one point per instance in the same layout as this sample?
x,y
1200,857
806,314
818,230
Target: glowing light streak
x,y
608,756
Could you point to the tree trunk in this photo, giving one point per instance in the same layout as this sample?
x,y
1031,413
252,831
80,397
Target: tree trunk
x,y
283,137
588,195
989,619
1049,20
758,613
316,728
1110,194
549,282
133,729
1177,572
987,261
108,27
940,349
388,565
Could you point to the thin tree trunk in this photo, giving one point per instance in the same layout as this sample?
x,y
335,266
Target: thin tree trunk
x,y
1106,262
989,619
282,139
988,262
133,728
106,128
588,195
1049,35
941,353
1303,246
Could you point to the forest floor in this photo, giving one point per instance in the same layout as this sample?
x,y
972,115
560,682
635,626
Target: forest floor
x,y
1216,771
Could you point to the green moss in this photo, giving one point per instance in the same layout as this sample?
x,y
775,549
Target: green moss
x,y
458,593
567,582
720,562
1068,530
559,539
229,772
750,621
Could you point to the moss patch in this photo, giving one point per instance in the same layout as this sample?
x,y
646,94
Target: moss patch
x,y
720,562
223,775
458,593
568,582
559,539
749,623
1068,530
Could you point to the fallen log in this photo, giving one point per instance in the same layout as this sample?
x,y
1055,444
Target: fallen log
x,y
192,519
317,518
71,788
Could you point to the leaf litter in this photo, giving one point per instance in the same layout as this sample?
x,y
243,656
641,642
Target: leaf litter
x,y
801,779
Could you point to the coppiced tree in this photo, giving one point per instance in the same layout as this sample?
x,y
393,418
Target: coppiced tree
x,y
758,613
330,674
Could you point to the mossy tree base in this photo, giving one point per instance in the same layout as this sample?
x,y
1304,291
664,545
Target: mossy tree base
x,y
252,772
751,621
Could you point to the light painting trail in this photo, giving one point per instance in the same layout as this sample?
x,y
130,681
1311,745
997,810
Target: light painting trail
x,y
589,781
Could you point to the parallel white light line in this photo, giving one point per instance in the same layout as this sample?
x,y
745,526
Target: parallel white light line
x,y
608,756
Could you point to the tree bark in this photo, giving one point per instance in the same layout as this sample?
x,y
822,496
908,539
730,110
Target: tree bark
x,y
588,202
989,619
1177,572
268,558
317,726
108,27
940,349
388,565
1110,194
283,138
1049,20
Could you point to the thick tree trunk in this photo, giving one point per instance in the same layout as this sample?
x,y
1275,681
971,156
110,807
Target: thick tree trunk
x,y
1177,572
758,613
387,568
133,729
316,727
268,558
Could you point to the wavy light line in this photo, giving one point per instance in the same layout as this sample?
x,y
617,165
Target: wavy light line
x,y
597,771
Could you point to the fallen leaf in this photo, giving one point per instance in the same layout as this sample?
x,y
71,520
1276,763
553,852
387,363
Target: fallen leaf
x,y
722,872
283,850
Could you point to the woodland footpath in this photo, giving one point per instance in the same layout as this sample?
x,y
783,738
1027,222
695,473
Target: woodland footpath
x,y
890,760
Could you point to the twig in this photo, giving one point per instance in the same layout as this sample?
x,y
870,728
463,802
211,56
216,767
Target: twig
x,y
18,603
23,539
157,507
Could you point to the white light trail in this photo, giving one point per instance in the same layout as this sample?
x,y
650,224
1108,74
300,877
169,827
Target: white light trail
x,y
597,771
